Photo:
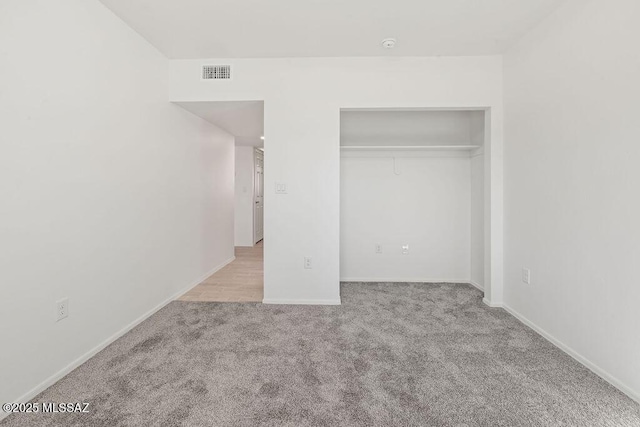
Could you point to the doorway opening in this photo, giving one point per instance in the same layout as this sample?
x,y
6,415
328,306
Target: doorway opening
x,y
242,280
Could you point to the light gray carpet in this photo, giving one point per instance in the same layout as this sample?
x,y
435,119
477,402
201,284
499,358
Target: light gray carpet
x,y
392,355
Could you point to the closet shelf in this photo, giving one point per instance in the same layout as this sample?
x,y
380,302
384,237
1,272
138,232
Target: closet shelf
x,y
407,147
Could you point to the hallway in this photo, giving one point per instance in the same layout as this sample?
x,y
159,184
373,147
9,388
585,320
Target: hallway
x,y
240,281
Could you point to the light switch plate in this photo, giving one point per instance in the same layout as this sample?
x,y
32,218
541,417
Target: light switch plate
x,y
281,188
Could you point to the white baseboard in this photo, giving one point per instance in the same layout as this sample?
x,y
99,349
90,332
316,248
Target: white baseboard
x,y
400,280
492,304
633,394
302,301
476,285
206,275
26,397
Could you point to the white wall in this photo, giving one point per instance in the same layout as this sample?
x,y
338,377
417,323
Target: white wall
x,y
244,196
571,183
303,98
424,203
111,195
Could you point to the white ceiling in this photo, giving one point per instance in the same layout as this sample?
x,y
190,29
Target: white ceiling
x,y
316,28
242,119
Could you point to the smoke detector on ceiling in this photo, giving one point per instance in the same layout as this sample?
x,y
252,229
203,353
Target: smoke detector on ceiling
x,y
389,43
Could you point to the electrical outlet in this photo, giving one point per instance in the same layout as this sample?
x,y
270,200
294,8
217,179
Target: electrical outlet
x,y
307,262
405,249
62,309
526,276
378,248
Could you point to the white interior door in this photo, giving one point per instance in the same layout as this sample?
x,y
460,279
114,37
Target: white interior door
x,y
258,192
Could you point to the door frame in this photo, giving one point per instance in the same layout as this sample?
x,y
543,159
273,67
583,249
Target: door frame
x,y
257,152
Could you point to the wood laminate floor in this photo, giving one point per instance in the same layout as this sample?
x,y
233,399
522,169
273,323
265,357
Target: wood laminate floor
x,y
240,281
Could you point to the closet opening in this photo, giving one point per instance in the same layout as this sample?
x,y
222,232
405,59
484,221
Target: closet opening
x,y
412,196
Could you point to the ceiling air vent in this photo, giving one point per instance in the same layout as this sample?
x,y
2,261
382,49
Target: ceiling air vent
x,y
216,72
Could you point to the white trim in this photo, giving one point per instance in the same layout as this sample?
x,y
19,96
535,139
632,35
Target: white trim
x,y
216,269
256,152
492,304
400,280
205,276
365,108
26,397
409,154
635,395
451,147
476,285
478,152
302,301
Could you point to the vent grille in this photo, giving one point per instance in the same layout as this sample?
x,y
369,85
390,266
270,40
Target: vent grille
x,y
216,72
